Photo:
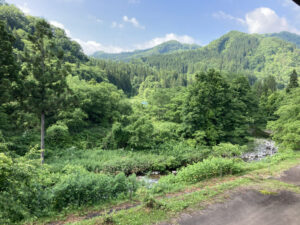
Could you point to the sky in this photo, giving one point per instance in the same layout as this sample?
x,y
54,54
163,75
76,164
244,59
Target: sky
x,y
125,25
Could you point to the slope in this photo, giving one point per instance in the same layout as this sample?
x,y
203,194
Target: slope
x,y
287,36
164,48
235,52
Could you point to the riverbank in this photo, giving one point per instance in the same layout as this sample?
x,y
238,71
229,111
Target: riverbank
x,y
188,197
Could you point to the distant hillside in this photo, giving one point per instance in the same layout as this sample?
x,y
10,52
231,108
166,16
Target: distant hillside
x,y
21,26
287,36
164,48
237,52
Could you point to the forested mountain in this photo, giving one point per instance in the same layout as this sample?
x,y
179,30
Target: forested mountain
x,y
235,52
287,36
75,130
164,48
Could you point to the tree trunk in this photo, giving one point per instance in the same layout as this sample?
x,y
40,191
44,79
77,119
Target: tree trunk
x,y
42,137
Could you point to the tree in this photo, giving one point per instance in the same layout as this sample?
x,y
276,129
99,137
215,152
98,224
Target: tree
x,y
293,81
286,129
46,80
8,65
207,107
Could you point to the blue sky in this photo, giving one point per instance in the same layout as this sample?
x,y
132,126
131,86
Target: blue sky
x,y
125,25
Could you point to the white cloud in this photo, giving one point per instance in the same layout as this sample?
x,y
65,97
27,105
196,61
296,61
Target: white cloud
x,y
168,37
24,8
99,21
90,47
117,25
265,20
133,21
223,15
61,26
261,20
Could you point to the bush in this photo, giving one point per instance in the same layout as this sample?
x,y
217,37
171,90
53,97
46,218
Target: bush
x,y
209,168
57,135
227,150
78,186
23,189
29,190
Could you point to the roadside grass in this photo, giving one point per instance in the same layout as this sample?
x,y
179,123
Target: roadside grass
x,y
188,197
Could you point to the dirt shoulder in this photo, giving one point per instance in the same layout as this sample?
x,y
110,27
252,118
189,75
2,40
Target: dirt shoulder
x,y
291,176
251,207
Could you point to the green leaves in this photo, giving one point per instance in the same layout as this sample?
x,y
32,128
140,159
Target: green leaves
x,y
214,111
286,129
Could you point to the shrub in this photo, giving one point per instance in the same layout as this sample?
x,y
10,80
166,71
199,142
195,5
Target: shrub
x,y
23,189
227,150
57,134
209,168
152,203
78,186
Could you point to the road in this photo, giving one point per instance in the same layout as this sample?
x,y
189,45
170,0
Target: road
x,y
251,207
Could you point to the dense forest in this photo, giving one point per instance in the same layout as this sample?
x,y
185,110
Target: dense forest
x,y
96,123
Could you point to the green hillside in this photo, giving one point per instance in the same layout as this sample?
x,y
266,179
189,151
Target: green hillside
x,y
287,36
235,52
164,48
76,131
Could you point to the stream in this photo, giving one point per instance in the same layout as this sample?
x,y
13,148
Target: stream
x,y
261,149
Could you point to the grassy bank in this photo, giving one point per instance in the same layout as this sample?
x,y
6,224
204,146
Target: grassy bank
x,y
168,157
168,198
201,194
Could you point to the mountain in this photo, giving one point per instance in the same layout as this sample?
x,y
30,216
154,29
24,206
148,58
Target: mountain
x,y
170,63
164,48
249,54
287,36
22,26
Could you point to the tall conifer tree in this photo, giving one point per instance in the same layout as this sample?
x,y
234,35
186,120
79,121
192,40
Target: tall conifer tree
x,y
46,84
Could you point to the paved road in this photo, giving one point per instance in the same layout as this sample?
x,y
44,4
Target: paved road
x,y
250,207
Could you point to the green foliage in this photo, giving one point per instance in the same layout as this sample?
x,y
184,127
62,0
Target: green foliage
x,y
287,36
57,135
214,112
28,189
168,156
24,190
293,81
46,83
152,203
3,143
8,66
235,52
101,103
269,104
141,133
78,187
286,128
164,48
227,150
209,168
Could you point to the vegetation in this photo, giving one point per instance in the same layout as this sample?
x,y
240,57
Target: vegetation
x,y
287,36
173,107
164,48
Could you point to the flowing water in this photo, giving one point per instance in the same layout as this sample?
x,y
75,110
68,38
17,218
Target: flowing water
x,y
150,180
262,148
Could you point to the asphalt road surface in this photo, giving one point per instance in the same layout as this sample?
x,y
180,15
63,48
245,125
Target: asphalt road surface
x,y
251,207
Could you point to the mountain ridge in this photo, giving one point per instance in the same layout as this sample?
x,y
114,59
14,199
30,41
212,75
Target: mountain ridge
x,y
164,48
